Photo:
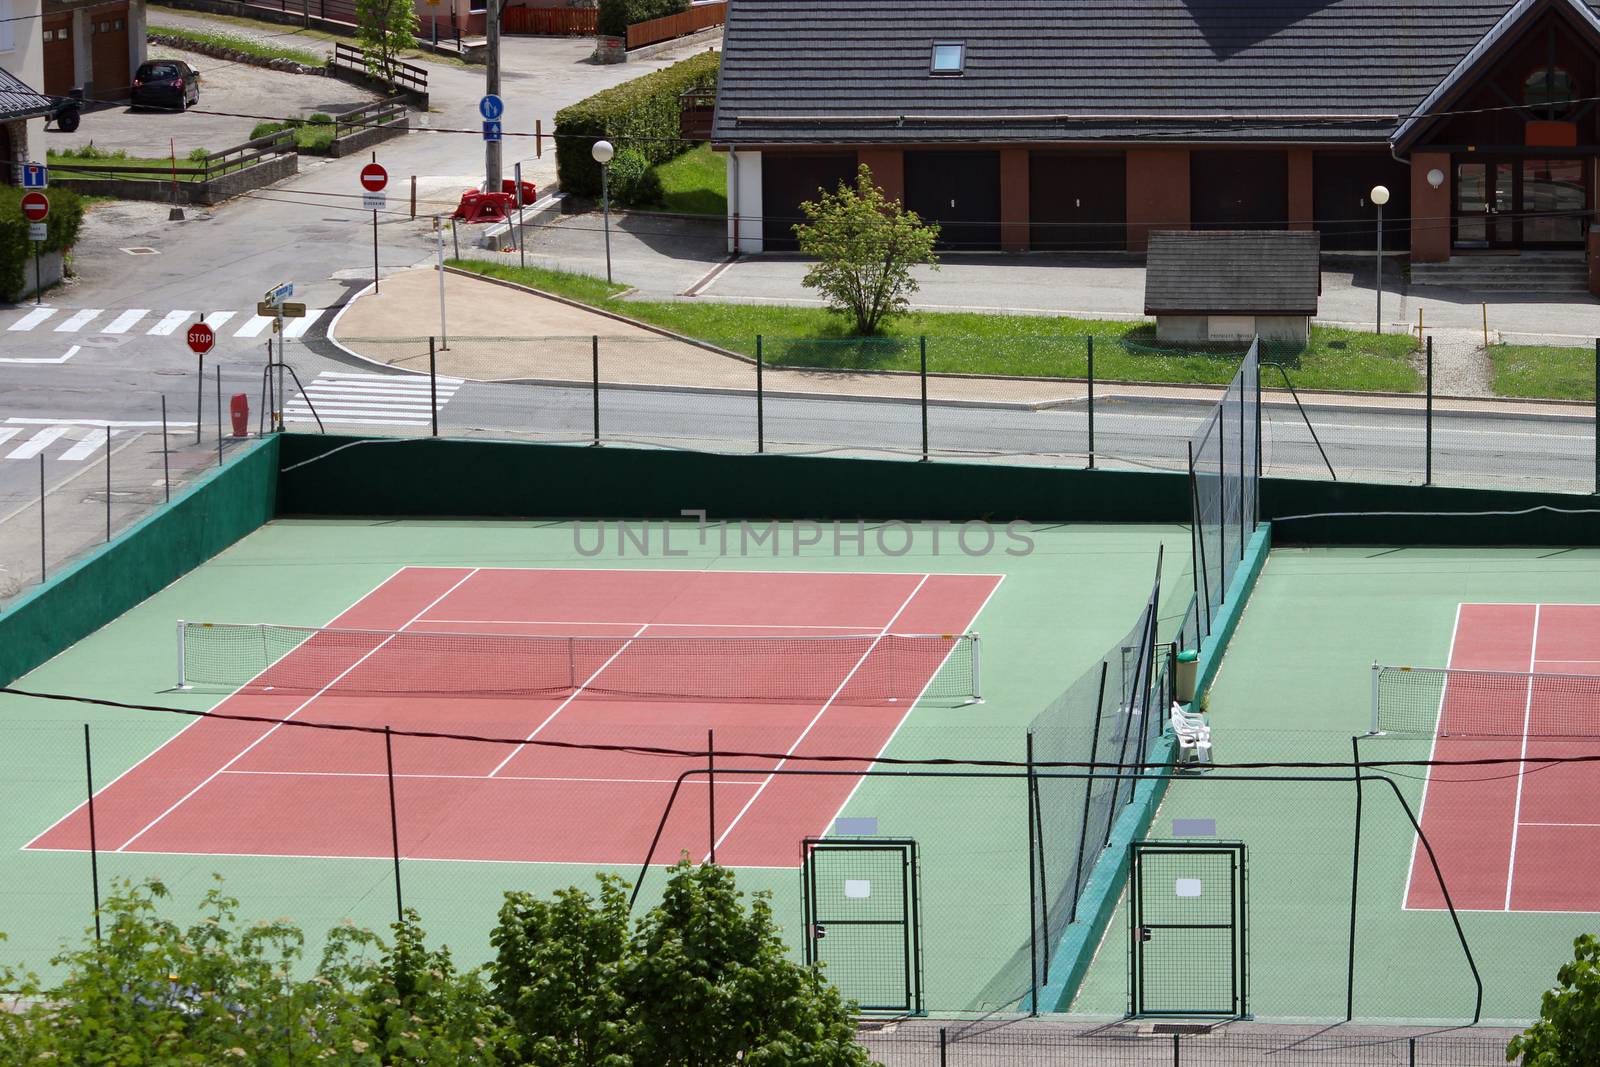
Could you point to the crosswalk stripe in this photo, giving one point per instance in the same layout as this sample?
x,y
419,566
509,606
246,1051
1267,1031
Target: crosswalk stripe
x,y
171,322
254,326
37,443
32,318
124,322
368,391
216,319
87,447
297,327
79,321
407,379
8,434
356,409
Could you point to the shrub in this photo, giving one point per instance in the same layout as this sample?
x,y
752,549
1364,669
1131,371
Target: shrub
x,y
88,151
320,119
641,115
16,251
198,155
262,129
617,15
633,182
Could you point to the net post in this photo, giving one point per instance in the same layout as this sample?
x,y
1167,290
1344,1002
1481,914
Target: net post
x,y
1373,726
94,849
1033,891
183,671
711,790
977,668
572,662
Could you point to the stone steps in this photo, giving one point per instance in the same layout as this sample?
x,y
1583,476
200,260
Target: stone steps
x,y
1531,272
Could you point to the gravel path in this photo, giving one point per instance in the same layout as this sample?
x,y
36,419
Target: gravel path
x,y
1460,367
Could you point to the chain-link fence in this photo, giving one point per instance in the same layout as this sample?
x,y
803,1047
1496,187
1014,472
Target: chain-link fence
x,y
1225,485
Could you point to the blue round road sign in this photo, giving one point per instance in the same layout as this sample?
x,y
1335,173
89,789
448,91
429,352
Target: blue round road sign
x,y
491,107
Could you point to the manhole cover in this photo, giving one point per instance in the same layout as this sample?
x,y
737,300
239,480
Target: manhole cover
x,y
142,251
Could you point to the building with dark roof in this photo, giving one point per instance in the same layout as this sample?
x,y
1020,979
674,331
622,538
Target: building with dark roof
x,y
1086,124
1232,285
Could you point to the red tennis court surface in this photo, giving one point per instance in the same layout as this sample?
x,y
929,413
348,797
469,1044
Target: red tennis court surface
x,y
222,787
1510,839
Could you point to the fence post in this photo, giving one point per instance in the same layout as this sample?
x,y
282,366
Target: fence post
x,y
922,349
1222,499
594,342
394,823
1597,414
942,1044
433,387
1243,504
1427,474
1033,894
761,415
94,848
108,484
44,570
711,789
1088,796
1411,1051
1177,1049
166,455
219,415
1355,881
1091,402
1200,541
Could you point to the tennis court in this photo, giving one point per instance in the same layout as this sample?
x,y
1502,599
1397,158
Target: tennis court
x,y
783,663
1512,843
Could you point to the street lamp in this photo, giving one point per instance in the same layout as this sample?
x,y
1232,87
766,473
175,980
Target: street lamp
x,y
1380,196
602,153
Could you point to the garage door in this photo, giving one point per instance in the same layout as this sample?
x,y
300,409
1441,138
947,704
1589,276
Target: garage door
x,y
1077,203
1239,190
57,33
110,51
961,192
1341,184
787,181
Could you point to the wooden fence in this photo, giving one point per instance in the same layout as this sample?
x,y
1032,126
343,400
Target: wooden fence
x,y
187,170
403,75
699,17
550,21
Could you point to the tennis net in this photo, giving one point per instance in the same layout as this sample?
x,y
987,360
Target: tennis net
x,y
1457,702
848,669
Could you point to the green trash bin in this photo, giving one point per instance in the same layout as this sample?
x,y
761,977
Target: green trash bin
x,y
1184,678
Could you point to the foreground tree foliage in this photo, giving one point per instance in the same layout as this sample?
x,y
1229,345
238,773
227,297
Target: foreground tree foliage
x,y
865,246
701,980
1568,1031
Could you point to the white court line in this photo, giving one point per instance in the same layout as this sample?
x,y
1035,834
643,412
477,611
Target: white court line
x,y
1522,768
388,857
253,326
279,725
863,631
1433,750
171,322
87,446
79,321
505,778
37,443
575,694
298,327
124,322
822,710
32,319
1561,824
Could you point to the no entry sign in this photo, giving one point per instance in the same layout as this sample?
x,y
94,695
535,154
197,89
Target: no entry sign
x,y
201,337
35,207
374,177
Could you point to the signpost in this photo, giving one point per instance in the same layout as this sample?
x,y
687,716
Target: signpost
x,y
491,107
200,338
373,199
35,176
36,208
491,131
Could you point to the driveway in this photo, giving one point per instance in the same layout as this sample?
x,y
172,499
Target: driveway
x,y
234,97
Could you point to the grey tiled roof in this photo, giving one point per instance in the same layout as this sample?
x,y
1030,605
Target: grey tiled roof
x,y
1038,70
17,101
1263,272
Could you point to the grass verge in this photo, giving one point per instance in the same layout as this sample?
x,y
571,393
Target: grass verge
x,y
1543,371
695,183
973,343
97,164
250,46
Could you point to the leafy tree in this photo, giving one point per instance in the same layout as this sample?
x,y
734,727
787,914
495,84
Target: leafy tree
x,y
385,29
1568,1031
865,246
556,971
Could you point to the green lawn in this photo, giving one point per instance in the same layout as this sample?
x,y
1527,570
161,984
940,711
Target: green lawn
x,y
1543,371
90,165
972,343
312,136
250,46
696,183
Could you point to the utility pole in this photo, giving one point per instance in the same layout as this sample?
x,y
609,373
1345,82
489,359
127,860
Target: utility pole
x,y
491,149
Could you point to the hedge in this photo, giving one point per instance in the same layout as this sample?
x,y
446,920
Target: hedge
x,y
617,15
641,114
16,251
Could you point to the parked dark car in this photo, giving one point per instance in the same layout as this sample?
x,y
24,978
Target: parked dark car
x,y
170,84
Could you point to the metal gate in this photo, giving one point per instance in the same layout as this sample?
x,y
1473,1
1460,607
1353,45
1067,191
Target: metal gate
x,y
1187,929
860,899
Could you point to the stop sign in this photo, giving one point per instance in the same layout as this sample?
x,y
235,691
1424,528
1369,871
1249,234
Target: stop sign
x,y
374,177
201,338
35,206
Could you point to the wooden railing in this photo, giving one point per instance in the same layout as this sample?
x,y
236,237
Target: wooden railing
x,y
189,170
403,75
695,109
380,113
550,21
699,17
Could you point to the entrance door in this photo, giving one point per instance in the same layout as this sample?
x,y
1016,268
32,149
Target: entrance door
x,y
1187,928
1552,198
961,192
860,900
1484,199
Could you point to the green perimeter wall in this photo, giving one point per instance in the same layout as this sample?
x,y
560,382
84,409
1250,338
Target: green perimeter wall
x,y
211,514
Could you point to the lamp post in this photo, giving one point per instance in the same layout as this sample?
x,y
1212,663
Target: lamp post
x,y
1380,196
602,153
